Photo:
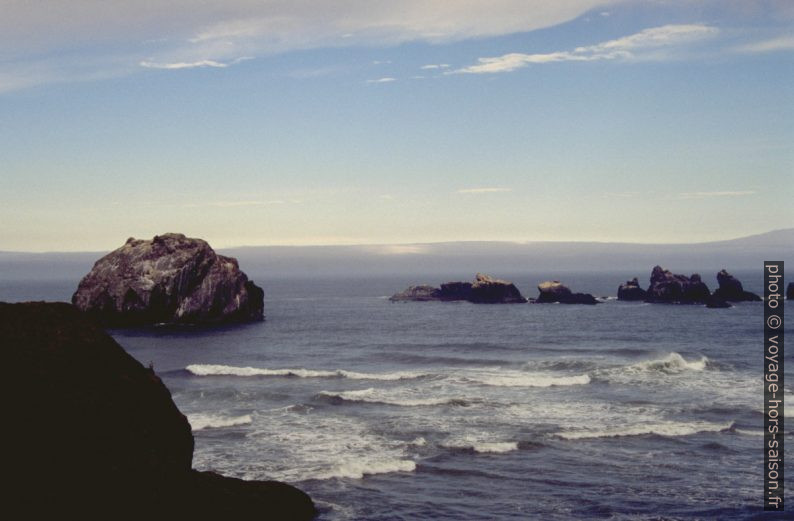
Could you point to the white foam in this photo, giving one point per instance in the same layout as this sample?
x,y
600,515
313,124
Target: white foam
x,y
522,379
228,370
672,363
201,421
295,447
403,399
745,432
481,444
356,469
668,428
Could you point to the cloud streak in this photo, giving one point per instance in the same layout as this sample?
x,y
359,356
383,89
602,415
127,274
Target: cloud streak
x,y
705,195
642,45
183,65
781,43
489,190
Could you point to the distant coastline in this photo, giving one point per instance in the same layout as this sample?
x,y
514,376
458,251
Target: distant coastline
x,y
461,258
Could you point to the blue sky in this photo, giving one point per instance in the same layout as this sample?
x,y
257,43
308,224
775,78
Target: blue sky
x,y
394,122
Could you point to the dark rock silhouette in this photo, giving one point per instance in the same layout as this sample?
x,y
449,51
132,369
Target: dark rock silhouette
x,y
667,287
169,279
93,434
451,291
631,290
731,289
487,290
554,291
484,290
790,291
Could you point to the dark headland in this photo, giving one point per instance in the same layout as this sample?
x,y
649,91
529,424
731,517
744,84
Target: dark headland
x,y
93,434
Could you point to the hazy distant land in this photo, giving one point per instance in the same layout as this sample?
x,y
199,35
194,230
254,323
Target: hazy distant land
x,y
452,258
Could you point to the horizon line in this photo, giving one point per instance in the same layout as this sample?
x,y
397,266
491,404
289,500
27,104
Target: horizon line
x,y
425,243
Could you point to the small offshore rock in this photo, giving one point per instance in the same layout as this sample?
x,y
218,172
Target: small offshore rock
x,y
484,290
419,293
631,290
554,291
731,289
488,290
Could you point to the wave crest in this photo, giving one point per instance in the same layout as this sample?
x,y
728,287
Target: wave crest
x,y
373,395
359,469
228,370
669,429
201,421
672,363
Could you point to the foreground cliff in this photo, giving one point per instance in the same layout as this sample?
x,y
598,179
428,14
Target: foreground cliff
x,y
169,279
92,434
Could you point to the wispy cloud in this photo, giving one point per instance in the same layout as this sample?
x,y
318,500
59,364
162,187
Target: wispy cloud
x,y
382,80
704,195
781,43
214,33
633,47
432,66
489,190
192,65
183,65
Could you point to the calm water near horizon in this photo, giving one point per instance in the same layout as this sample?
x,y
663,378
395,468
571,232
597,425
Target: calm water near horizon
x,y
455,411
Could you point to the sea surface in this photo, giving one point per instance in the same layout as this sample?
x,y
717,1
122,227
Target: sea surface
x,y
457,411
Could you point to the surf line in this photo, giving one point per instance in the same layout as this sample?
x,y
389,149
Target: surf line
x,y
773,387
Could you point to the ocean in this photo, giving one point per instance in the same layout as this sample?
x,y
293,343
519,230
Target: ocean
x,y
457,411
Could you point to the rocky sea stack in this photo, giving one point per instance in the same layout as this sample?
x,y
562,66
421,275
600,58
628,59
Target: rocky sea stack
x,y
670,288
93,434
631,290
169,279
731,289
554,291
484,290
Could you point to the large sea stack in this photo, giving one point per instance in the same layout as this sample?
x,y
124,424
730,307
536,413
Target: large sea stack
x,y
169,279
790,291
484,290
92,434
731,289
670,288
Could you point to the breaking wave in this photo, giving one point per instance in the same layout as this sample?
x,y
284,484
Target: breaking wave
x,y
672,363
668,428
359,469
228,370
372,395
201,421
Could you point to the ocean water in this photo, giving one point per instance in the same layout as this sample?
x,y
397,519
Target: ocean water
x,y
456,411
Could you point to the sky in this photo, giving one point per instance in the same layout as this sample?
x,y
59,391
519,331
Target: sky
x,y
387,122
